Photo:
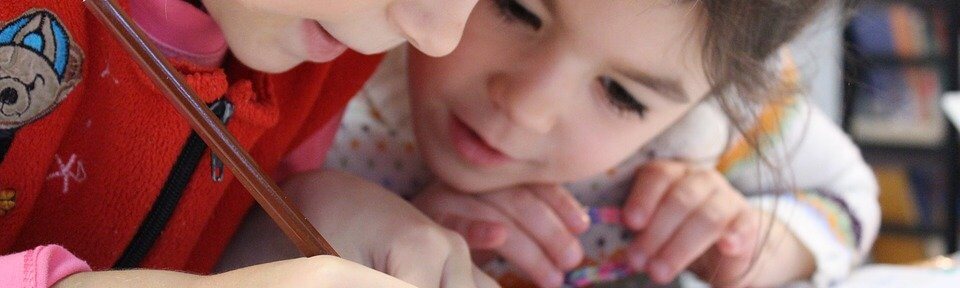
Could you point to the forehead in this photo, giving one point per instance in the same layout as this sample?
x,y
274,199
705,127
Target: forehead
x,y
630,20
641,33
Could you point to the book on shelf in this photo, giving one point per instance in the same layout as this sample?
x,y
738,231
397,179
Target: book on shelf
x,y
898,103
910,196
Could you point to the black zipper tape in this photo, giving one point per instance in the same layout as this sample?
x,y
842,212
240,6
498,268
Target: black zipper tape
x,y
169,197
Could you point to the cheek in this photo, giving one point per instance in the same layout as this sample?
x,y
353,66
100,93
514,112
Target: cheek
x,y
247,46
265,46
367,31
424,79
452,76
599,139
600,149
322,10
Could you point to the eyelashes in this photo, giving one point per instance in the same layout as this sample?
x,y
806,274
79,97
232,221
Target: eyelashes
x,y
514,11
616,94
620,98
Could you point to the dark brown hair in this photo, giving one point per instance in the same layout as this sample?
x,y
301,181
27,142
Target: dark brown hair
x,y
740,39
742,35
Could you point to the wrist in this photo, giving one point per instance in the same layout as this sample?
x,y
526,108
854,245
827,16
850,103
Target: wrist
x,y
783,258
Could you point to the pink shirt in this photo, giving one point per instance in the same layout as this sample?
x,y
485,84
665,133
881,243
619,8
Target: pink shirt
x,y
41,267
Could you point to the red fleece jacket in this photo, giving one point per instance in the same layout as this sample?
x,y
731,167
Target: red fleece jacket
x,y
92,142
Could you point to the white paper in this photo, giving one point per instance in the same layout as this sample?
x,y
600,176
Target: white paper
x,y
951,107
880,276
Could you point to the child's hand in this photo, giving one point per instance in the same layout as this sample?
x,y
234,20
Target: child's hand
x,y
367,224
689,217
320,271
532,227
680,213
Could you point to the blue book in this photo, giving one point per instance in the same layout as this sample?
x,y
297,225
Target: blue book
x,y
871,30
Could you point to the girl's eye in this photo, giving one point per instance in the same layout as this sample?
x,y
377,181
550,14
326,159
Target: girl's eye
x,y
620,98
513,10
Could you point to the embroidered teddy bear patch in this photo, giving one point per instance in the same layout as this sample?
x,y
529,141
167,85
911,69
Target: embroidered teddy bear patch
x,y
39,66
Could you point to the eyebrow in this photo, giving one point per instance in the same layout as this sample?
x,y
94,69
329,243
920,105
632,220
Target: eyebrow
x,y
669,88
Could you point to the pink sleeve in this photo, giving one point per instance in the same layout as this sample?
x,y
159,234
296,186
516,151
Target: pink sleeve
x,y
311,153
39,268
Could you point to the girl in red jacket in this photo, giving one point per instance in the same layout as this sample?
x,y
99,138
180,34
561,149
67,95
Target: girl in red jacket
x,y
98,171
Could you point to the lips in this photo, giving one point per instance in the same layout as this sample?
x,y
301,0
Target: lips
x,y
321,46
472,148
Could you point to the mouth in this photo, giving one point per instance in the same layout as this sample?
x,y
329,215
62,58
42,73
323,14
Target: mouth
x,y
321,46
472,147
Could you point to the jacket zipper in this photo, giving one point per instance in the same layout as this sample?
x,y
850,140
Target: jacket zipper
x,y
169,197
216,166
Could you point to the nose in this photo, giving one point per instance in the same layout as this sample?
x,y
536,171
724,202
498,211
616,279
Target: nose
x,y
432,26
535,102
9,96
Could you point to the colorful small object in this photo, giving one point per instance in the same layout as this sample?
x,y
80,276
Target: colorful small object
x,y
605,272
590,275
604,215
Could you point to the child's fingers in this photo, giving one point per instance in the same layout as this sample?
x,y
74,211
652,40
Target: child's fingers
x,y
724,269
459,270
433,267
742,234
539,221
446,264
565,205
479,234
731,271
682,199
524,254
652,181
482,225
696,234
704,266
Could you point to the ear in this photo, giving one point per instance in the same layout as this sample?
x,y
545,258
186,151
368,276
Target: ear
x,y
73,72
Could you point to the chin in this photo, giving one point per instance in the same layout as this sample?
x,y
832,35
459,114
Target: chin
x,y
473,187
451,175
470,183
263,63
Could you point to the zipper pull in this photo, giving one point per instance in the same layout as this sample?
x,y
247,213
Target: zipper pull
x,y
216,165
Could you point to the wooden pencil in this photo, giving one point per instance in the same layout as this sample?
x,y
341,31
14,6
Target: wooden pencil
x,y
210,129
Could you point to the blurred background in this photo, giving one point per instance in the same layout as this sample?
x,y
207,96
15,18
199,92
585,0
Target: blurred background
x,y
882,74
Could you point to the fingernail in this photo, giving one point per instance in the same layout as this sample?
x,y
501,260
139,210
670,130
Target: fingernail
x,y
637,220
638,260
572,255
555,279
733,242
583,221
660,272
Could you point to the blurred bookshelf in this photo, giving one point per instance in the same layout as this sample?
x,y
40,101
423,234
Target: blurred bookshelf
x,y
900,58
